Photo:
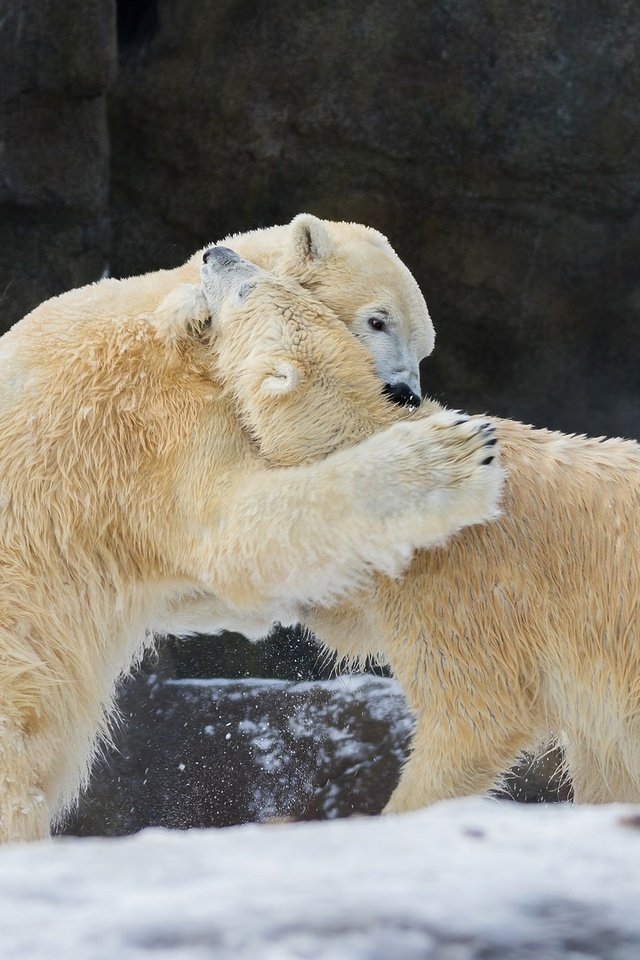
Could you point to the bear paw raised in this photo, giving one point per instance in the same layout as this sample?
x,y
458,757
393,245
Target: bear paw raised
x,y
436,474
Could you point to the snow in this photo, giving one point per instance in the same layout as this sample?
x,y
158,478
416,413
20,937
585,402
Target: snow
x,y
346,683
465,879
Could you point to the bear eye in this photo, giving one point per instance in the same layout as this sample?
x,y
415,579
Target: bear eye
x,y
377,323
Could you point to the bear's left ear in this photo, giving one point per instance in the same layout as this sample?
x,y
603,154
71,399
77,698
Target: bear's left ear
x,y
183,312
308,240
282,378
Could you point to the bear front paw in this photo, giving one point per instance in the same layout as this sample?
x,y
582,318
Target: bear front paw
x,y
446,475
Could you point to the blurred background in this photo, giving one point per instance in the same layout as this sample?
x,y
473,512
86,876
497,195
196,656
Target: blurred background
x,y
496,145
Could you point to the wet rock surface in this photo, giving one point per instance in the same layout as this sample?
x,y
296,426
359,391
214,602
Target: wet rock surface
x,y
200,753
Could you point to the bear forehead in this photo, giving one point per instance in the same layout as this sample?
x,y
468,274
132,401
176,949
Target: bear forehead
x,y
297,316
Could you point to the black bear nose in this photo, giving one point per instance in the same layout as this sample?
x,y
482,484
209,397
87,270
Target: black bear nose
x,y
224,255
402,394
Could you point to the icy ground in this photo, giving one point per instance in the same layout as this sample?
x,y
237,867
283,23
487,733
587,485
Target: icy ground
x,y
465,879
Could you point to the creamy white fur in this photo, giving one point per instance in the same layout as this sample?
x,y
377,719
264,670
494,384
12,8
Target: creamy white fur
x,y
517,631
132,497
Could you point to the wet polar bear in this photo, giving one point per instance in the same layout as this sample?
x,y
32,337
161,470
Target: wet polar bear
x,y
516,631
129,492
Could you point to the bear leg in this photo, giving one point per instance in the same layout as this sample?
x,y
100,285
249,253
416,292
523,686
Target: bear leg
x,y
598,775
311,534
24,808
453,757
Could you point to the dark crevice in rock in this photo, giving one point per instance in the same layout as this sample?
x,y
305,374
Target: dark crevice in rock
x,y
137,24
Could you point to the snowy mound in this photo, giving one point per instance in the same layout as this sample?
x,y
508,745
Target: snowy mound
x,y
466,879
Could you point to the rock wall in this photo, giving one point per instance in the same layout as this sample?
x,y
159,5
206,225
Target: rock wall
x,y
496,144
58,59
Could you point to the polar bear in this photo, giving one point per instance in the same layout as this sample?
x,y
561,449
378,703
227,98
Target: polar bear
x,y
353,269
516,631
129,490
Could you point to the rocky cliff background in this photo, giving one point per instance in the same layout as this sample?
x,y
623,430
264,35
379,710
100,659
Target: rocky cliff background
x,y
496,144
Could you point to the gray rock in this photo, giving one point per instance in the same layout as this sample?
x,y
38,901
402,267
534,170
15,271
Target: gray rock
x,y
215,752
71,173
200,753
58,59
57,48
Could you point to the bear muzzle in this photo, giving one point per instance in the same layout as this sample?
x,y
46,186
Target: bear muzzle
x,y
224,256
402,394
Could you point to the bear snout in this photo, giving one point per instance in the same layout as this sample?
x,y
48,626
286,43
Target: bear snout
x,y
224,256
402,394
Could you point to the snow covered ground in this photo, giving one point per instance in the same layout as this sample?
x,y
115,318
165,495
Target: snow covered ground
x,y
466,879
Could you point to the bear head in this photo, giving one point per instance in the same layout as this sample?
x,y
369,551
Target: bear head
x,y
355,271
299,379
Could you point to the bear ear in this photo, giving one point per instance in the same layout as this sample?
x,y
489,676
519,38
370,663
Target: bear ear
x,y
308,239
182,313
282,378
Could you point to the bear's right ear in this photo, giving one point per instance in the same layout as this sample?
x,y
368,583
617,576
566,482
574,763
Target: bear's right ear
x,y
282,378
308,240
183,312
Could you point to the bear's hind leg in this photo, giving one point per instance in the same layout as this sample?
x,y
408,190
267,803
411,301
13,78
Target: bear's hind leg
x,y
453,757
599,776
24,807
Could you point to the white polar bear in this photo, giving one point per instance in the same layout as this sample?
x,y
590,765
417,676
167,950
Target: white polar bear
x,y
516,631
129,489
352,269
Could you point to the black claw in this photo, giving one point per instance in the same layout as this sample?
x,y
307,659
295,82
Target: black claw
x,y
463,420
490,443
486,462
